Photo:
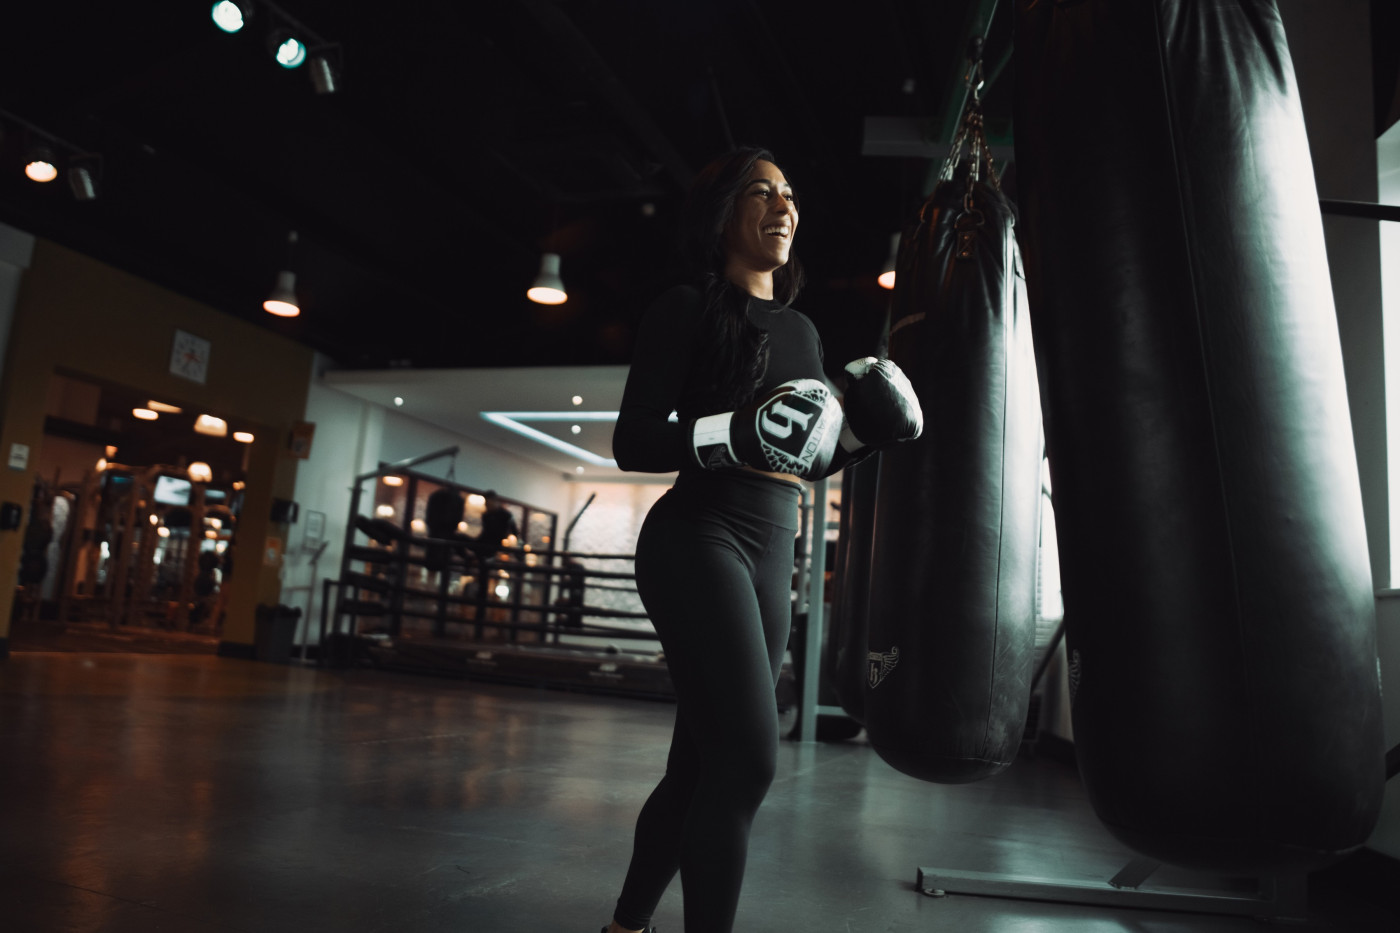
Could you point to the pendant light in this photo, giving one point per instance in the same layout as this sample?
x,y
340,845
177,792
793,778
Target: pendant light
x,y
548,287
283,300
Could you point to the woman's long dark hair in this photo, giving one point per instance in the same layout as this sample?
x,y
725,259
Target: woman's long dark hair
x,y
734,358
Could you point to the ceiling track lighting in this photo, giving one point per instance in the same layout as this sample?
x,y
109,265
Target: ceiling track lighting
x,y
548,287
283,301
42,159
40,164
322,72
230,15
290,43
84,175
286,49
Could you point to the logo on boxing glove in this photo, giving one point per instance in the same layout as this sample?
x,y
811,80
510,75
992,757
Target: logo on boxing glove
x,y
792,427
879,664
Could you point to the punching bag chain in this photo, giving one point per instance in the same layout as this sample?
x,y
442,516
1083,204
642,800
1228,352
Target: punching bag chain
x,y
972,133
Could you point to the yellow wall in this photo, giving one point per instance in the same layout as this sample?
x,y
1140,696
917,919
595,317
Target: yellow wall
x,y
81,316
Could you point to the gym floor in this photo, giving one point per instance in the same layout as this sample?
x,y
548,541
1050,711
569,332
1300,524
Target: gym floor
x,y
190,793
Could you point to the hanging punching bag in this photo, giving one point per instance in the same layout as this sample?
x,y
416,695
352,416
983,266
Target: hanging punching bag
x,y
951,641
1218,602
850,597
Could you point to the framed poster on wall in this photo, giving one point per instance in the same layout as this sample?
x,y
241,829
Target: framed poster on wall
x,y
315,530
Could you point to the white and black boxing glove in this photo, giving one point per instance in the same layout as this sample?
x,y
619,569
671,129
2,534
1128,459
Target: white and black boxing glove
x,y
881,407
793,429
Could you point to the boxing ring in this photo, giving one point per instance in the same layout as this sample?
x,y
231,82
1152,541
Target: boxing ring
x,y
527,613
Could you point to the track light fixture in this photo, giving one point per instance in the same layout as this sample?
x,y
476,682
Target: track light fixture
x,y
84,174
323,77
231,16
290,43
548,287
40,163
42,159
283,300
286,48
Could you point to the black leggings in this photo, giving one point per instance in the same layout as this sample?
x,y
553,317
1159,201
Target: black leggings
x,y
714,570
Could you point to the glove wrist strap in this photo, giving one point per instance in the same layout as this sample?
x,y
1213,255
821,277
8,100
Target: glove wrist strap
x,y
849,442
710,439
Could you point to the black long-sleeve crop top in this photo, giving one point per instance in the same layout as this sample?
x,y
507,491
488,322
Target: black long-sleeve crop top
x,y
664,376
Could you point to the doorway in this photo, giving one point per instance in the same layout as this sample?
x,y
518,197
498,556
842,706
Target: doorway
x,y
132,527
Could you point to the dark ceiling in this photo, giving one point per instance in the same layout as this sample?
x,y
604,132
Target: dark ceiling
x,y
469,137
465,139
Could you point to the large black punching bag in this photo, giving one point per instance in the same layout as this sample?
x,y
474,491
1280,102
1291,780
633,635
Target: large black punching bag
x,y
1218,598
952,596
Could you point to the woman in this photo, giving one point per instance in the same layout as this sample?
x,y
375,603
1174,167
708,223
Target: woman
x,y
743,371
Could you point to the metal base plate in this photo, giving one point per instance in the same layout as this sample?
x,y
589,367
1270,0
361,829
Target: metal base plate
x,y
1279,899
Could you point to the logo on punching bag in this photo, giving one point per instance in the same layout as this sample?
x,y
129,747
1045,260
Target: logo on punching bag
x,y
880,665
792,426
1076,673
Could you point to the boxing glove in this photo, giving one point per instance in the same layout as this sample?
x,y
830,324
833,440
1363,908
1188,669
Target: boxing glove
x,y
793,429
881,407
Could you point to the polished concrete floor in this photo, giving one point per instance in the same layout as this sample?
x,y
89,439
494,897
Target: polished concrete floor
x,y
191,793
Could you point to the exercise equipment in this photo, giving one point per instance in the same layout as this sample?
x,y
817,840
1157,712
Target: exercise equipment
x,y
528,613
951,632
1219,607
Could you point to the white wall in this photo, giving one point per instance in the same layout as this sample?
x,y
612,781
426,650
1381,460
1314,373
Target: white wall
x,y
610,526
352,437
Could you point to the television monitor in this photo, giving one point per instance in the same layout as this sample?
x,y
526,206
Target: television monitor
x,y
171,490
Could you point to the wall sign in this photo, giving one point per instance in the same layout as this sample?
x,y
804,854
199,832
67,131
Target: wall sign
x,y
19,456
315,529
299,439
189,357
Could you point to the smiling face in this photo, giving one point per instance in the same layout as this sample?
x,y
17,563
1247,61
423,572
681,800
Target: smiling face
x,y
759,235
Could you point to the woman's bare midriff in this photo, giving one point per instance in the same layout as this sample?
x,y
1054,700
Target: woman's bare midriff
x,y
785,477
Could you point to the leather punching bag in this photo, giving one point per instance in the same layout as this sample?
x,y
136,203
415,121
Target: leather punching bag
x,y
1219,609
952,596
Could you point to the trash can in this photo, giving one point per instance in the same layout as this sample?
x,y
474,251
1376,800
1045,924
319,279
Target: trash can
x,y
276,628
